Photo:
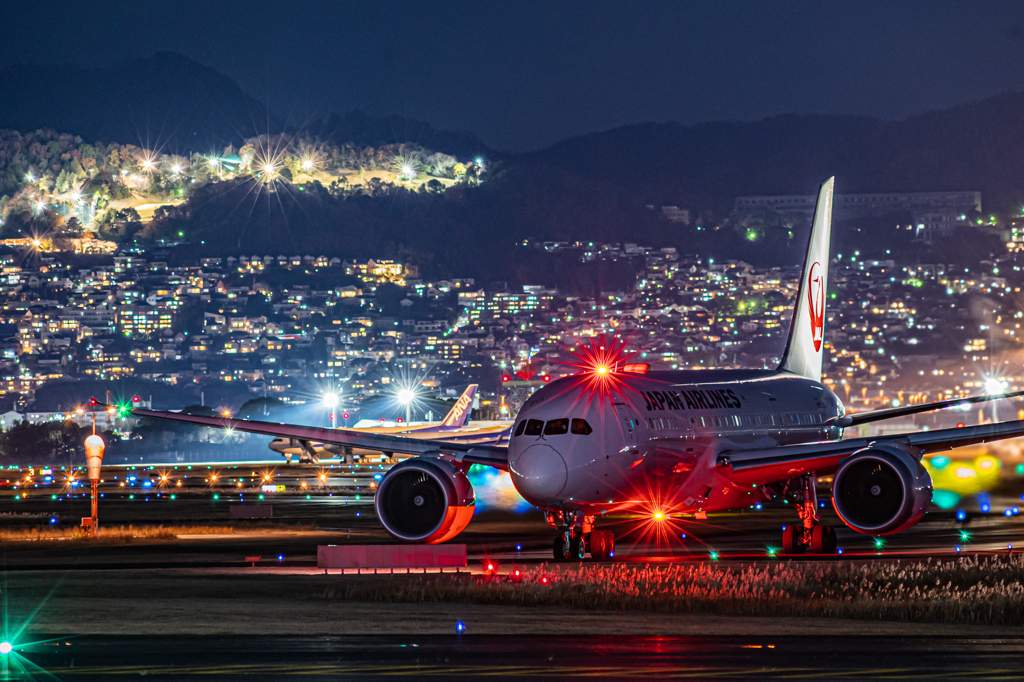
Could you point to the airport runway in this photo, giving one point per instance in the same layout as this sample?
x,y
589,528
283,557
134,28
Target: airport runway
x,y
468,657
115,609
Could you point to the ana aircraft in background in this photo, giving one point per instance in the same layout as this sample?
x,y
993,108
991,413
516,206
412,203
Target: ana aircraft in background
x,y
619,437
453,428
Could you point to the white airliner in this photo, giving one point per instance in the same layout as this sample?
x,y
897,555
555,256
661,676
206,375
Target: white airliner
x,y
618,437
454,427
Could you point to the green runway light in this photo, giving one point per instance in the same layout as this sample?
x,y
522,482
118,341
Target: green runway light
x,y
714,556
5,648
772,551
216,497
879,543
965,536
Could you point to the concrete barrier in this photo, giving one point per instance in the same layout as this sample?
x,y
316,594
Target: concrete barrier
x,y
390,556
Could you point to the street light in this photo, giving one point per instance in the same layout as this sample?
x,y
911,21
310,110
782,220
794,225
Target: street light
x,y
406,396
994,386
331,401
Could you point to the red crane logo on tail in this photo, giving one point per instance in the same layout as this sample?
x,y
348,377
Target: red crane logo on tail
x,y
816,304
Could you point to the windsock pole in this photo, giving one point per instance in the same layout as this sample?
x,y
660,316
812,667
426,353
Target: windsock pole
x,y
94,447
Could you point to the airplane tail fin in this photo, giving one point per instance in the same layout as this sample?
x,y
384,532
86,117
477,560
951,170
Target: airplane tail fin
x,y
459,414
805,347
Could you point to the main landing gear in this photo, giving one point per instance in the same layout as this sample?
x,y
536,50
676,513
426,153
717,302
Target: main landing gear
x,y
809,535
577,536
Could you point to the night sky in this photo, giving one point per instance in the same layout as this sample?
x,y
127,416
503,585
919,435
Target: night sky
x,y
525,74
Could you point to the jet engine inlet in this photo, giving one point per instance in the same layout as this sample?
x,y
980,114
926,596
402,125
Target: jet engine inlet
x,y
424,500
881,490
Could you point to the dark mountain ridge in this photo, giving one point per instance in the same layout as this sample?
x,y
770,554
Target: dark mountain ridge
x,y
975,146
166,100
171,102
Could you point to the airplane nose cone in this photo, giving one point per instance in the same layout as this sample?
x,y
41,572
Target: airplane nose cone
x,y
539,473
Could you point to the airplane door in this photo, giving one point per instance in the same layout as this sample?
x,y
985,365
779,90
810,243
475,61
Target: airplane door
x,y
630,422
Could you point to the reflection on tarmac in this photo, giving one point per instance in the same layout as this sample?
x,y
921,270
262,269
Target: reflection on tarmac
x,y
465,657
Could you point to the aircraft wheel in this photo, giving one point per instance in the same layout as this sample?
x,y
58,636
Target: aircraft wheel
x,y
602,544
561,549
823,540
792,543
577,548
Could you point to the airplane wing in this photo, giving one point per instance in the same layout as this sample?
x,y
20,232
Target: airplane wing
x,y
891,412
489,455
775,464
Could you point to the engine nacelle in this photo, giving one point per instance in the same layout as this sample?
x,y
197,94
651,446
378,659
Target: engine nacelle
x,y
881,490
424,500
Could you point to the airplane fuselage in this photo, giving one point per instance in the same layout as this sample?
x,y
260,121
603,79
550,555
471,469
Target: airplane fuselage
x,y
643,442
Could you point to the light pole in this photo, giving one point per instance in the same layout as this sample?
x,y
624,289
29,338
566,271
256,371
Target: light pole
x,y
406,396
94,446
331,401
992,387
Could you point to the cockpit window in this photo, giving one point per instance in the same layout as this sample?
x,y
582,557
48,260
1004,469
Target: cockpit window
x,y
581,427
534,427
519,429
556,427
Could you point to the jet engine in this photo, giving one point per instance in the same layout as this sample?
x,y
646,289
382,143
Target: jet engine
x,y
424,500
881,490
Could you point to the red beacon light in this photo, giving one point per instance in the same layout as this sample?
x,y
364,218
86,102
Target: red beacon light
x,y
345,415
399,420
505,378
136,399
636,368
545,378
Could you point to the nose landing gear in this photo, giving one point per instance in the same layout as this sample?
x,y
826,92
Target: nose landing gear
x,y
577,537
569,547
